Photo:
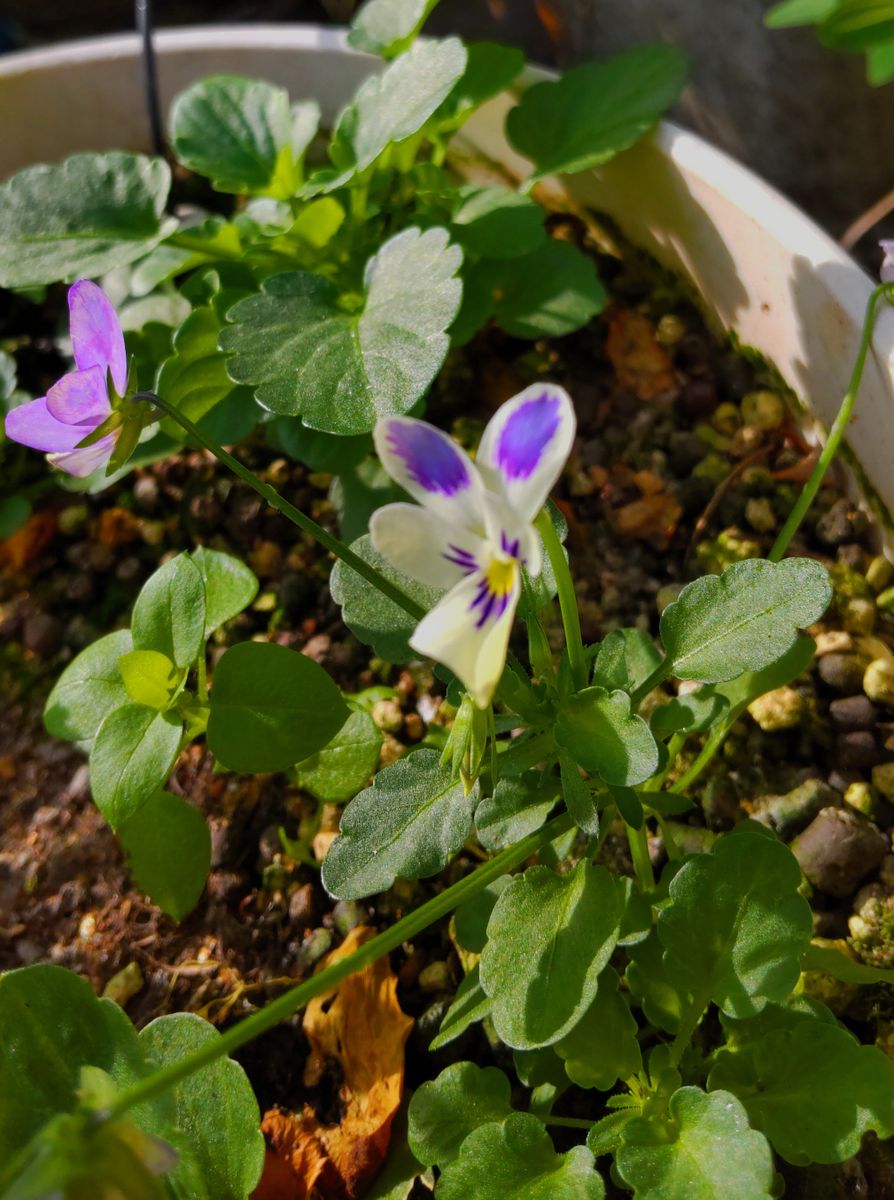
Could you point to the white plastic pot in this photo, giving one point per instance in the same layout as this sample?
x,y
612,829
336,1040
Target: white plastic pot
x,y
761,268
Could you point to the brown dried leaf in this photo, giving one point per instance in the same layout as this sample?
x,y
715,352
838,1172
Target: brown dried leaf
x,y
358,1030
641,363
117,527
27,543
652,517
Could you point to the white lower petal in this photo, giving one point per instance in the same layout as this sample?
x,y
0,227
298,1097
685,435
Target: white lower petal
x,y
425,546
468,631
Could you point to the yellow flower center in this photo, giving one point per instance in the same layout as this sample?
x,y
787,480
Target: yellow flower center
x,y
501,576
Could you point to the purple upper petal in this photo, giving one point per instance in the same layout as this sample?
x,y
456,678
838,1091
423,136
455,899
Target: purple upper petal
x,y
526,436
96,337
35,426
430,458
80,398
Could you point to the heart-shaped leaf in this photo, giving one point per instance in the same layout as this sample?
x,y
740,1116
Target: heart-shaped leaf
x,y
169,615
549,293
306,352
444,1111
132,756
388,27
149,678
744,619
230,586
516,1160
168,846
705,1149
549,937
407,825
490,69
596,110
625,659
88,689
81,217
495,222
603,736
271,708
339,770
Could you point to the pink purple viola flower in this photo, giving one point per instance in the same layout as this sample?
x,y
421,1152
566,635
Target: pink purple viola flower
x,y
472,531
887,270
78,403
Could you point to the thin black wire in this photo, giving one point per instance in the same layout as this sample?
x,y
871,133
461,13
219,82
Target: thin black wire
x,y
143,18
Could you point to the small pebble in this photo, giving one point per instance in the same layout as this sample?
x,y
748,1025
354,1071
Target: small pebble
x,y
388,715
792,812
885,601
842,523
782,708
838,849
878,681
857,750
763,409
347,915
760,515
42,635
883,779
833,641
858,615
853,712
863,798
879,573
435,977
842,672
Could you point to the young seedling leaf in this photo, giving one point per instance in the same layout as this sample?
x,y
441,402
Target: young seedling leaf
x,y
407,825
495,222
81,217
240,134
490,69
305,352
132,756
652,987
271,708
625,659
516,1160
88,689
216,1105
880,64
149,678
603,736
230,586
472,916
858,24
470,1004
602,1047
338,771
169,615
168,848
799,12
549,937
549,293
596,110
705,1149
744,619
517,807
388,27
371,617
736,927
444,1111
578,796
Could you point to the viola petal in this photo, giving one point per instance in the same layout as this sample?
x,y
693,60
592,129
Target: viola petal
x,y
468,631
80,398
512,536
525,446
96,337
87,460
34,425
887,270
425,546
429,465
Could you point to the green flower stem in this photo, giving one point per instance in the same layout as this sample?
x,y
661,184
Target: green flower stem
x,y
567,599
639,852
836,433
661,672
295,515
390,939
688,1026
202,677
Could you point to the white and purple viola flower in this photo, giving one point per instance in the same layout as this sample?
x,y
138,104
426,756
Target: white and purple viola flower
x,y
473,532
78,403
886,273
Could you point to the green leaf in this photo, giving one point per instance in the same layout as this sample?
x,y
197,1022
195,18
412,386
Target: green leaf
x,y
444,1111
839,966
596,110
88,689
516,1160
741,691
341,368
371,617
81,217
388,27
625,659
52,1025
693,711
472,916
495,222
14,512
134,752
799,12
600,733
470,1004
518,807
744,619
579,799
602,1047
242,135
549,293
339,770
271,708
149,678
169,615
651,986
736,927
704,1150
390,107
215,1106
168,847
356,493
812,1089
230,586
490,69
408,825
858,24
549,937
880,64
320,451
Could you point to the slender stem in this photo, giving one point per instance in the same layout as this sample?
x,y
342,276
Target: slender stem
x,y
639,852
715,740
569,1122
836,433
295,515
143,16
688,1027
284,1006
567,599
202,677
659,675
